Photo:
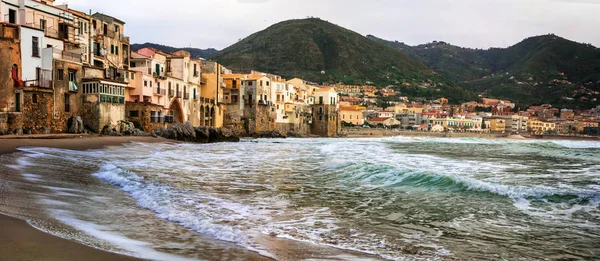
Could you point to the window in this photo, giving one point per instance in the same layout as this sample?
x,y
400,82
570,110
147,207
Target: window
x,y
321,100
249,83
73,76
116,49
134,114
60,75
112,49
43,25
35,46
267,83
145,83
150,84
34,98
67,102
12,16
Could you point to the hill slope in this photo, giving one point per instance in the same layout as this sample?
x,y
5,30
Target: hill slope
x,y
194,52
541,69
304,48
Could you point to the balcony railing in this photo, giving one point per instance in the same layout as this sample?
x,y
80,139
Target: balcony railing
x,y
66,55
124,39
186,96
44,80
207,100
160,91
171,93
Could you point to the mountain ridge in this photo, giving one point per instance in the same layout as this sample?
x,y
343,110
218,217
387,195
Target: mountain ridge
x,y
194,52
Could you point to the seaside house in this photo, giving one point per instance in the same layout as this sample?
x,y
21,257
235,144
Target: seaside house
x,y
212,89
540,127
384,122
148,104
325,121
582,124
352,116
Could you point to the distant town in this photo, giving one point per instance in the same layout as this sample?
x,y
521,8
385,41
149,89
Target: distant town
x,y
65,69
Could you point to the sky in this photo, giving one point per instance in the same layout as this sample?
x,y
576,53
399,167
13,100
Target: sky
x,y
468,23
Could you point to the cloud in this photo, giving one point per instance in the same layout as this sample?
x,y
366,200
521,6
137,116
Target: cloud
x,y
469,23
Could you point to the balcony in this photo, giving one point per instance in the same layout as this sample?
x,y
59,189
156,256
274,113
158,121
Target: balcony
x,y
179,95
44,80
66,55
160,91
207,100
171,93
124,39
186,96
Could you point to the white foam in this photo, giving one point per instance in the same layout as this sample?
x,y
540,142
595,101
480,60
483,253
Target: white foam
x,y
32,177
138,248
201,213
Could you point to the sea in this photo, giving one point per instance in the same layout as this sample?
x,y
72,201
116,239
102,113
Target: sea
x,y
393,198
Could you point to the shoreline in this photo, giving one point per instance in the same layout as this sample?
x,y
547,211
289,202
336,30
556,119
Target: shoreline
x,y
10,144
378,133
21,241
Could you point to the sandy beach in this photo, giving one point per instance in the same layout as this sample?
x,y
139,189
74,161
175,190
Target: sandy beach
x,y
19,240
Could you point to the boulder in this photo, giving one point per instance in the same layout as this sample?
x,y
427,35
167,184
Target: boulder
x,y
187,133
75,125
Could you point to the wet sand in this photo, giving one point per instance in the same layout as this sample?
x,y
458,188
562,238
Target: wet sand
x,y
9,144
19,240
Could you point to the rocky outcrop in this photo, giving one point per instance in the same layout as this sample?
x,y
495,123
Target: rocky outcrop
x,y
124,128
188,133
75,125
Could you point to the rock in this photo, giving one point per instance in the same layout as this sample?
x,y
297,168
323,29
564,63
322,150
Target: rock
x,y
187,133
75,125
126,127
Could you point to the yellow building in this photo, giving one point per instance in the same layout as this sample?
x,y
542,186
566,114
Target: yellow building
x,y
211,94
585,123
540,127
351,115
497,125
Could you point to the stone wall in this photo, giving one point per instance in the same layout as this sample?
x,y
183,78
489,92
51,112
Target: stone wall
x,y
37,110
325,120
111,114
261,118
143,121
10,53
90,112
62,92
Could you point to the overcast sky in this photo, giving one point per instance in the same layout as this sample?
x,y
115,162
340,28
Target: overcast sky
x,y
468,23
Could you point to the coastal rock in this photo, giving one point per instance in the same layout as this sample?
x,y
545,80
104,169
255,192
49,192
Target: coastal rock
x,y
127,127
187,133
75,125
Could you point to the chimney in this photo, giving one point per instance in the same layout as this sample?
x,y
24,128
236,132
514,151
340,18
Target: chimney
x,y
21,14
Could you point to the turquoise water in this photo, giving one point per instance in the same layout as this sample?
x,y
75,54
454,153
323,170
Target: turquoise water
x,y
394,198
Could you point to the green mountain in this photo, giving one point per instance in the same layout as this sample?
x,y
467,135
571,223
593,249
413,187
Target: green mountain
x,y
541,69
194,52
320,51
